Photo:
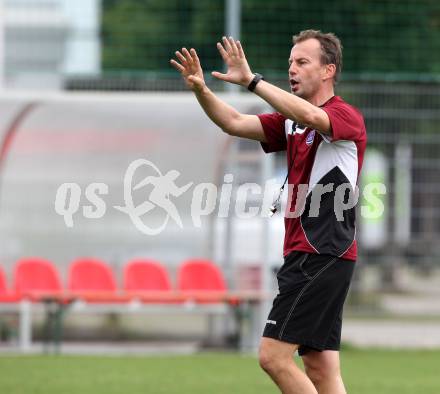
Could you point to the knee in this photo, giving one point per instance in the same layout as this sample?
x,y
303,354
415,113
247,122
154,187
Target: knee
x,y
265,359
316,375
269,361
323,372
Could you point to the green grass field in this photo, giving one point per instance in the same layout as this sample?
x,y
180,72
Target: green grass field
x,y
365,371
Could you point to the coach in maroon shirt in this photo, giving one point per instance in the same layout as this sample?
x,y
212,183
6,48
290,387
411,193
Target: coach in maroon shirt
x,y
325,140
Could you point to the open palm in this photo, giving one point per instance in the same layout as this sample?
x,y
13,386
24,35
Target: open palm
x,y
190,68
233,55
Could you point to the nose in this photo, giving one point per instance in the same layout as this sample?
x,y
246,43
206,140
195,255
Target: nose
x,y
292,70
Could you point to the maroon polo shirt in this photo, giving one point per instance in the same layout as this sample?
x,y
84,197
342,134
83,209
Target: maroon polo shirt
x,y
320,162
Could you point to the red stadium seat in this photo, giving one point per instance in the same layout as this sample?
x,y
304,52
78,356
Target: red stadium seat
x,y
92,280
200,275
90,275
36,275
5,294
3,287
146,275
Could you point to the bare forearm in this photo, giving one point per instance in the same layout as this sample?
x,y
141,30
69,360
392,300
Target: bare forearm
x,y
289,105
221,113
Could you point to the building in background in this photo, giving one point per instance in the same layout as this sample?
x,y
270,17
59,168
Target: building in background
x,y
44,41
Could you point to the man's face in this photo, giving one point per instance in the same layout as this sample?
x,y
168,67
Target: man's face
x,y
305,69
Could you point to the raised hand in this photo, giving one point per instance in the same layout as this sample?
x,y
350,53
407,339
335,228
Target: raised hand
x,y
190,69
238,71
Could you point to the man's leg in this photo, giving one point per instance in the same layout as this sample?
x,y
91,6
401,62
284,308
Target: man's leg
x,y
276,358
323,369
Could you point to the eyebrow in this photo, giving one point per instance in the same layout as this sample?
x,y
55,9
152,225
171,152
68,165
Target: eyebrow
x,y
290,61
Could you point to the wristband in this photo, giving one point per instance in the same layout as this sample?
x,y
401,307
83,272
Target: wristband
x,y
257,78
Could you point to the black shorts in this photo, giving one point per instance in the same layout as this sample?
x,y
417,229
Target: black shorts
x,y
308,308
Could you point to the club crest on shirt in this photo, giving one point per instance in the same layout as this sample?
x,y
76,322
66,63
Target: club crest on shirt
x,y
310,137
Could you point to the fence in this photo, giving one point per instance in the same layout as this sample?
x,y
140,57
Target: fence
x,y
126,45
391,72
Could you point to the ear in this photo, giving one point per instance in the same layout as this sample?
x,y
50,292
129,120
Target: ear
x,y
329,71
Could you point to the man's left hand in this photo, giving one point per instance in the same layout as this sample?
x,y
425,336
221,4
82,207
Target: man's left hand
x,y
238,71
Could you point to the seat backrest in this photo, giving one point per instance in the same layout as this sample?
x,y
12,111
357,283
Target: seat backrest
x,y
199,274
88,274
144,275
36,274
3,286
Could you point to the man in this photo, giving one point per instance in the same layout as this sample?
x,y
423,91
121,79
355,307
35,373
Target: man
x,y
325,139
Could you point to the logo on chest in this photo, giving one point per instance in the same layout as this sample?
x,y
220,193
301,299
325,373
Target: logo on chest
x,y
310,137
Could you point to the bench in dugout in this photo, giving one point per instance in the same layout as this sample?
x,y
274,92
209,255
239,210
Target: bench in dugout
x,y
91,288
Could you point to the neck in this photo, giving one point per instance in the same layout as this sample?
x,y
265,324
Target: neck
x,y
321,97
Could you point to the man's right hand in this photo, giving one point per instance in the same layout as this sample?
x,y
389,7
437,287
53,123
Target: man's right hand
x,y
189,66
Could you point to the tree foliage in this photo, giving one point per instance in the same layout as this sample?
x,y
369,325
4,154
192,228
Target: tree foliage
x,y
379,36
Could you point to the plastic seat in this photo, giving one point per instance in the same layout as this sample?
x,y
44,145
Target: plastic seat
x,y
93,281
3,288
5,294
36,275
200,275
90,275
146,275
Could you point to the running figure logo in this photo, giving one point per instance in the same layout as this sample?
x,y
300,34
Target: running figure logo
x,y
164,186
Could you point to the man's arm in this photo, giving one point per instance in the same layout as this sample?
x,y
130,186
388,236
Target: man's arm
x,y
291,106
229,119
223,115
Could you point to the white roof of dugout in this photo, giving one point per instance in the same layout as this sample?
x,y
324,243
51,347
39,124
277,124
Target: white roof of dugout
x,y
93,138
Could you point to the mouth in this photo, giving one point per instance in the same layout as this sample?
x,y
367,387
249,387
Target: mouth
x,y
294,85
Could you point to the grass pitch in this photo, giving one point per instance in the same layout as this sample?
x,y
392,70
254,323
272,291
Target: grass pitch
x,y
364,372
